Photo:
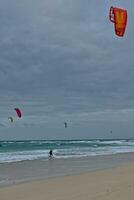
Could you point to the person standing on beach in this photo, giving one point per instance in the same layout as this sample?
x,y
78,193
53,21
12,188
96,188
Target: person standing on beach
x,y
50,153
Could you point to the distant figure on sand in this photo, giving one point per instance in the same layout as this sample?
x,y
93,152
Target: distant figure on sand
x,y
50,154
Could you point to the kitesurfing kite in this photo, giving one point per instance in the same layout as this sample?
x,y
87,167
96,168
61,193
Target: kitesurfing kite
x,y
18,111
11,119
65,123
119,17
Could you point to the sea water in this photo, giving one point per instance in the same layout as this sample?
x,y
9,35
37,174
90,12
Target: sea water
x,y
15,151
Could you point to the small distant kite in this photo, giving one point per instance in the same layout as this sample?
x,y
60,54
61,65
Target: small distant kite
x,y
119,17
65,123
11,119
18,111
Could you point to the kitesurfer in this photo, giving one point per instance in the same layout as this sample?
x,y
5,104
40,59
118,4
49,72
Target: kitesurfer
x,y
51,153
65,123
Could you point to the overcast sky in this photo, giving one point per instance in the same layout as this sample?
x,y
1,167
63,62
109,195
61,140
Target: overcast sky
x,y
60,60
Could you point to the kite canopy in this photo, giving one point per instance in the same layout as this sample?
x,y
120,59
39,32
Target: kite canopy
x,y
18,111
11,119
119,17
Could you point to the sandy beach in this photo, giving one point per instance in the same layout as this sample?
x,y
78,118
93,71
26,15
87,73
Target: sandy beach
x,y
41,169
109,177
109,184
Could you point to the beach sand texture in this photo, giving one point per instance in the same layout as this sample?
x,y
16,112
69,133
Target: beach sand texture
x,y
109,184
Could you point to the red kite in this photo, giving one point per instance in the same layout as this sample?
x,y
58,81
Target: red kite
x,y
119,17
18,112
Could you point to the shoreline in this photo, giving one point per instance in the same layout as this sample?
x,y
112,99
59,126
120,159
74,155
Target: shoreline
x,y
28,171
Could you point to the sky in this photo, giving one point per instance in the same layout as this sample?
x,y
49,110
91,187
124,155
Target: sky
x,y
60,60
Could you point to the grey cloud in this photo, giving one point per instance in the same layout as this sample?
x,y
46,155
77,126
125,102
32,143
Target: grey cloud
x,y
61,59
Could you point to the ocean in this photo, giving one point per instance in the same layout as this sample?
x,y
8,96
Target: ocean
x,y
15,151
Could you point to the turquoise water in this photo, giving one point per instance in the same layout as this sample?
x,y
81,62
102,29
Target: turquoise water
x,y
13,151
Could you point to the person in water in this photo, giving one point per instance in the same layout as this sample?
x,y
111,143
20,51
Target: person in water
x,y
50,154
